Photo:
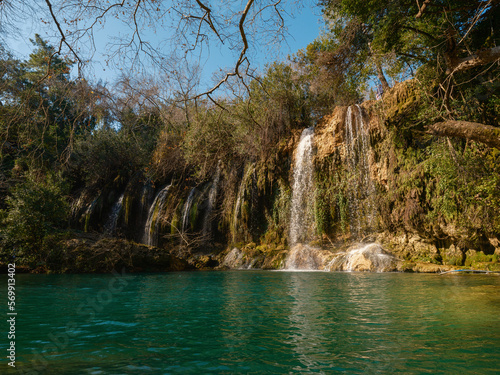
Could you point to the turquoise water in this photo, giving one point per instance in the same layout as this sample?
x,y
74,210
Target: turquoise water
x,y
256,322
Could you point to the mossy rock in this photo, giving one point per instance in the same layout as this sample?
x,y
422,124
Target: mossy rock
x,y
452,256
481,261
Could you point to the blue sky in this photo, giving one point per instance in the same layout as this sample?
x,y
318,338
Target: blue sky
x,y
303,27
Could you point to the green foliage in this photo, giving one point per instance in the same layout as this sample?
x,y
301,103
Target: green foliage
x,y
211,136
106,155
441,186
331,209
141,127
343,208
247,129
42,110
337,72
321,211
464,188
366,39
37,210
278,102
480,99
394,27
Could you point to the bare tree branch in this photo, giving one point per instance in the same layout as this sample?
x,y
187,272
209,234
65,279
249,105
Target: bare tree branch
x,y
242,58
63,37
208,19
422,8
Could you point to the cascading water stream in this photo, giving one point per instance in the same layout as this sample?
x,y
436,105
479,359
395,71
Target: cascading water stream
x,y
187,209
361,188
88,214
239,200
302,191
237,210
146,195
110,226
301,220
151,228
212,198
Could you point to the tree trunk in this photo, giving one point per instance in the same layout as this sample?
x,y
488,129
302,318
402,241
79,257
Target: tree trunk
x,y
486,134
378,67
381,77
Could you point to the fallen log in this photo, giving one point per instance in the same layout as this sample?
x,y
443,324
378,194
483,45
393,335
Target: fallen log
x,y
481,57
486,134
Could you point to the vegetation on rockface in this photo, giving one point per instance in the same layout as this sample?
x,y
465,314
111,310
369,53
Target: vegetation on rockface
x,y
79,145
435,199
442,189
332,199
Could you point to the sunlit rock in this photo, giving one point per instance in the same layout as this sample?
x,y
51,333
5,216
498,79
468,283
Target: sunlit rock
x,y
371,257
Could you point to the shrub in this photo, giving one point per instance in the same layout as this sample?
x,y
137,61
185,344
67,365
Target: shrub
x,y
36,209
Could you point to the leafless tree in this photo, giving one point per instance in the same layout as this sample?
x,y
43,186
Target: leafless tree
x,y
163,35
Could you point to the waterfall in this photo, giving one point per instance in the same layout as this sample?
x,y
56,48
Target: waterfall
x,y
239,200
146,195
110,226
302,192
237,208
151,228
187,209
88,214
360,188
212,198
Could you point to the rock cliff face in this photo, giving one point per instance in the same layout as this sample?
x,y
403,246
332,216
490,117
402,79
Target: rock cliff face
x,y
366,199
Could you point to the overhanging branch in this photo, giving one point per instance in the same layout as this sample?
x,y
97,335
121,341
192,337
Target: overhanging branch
x,y
242,58
63,36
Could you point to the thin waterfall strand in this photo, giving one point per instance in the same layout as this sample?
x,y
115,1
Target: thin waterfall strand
x,y
361,187
151,228
212,198
239,200
187,209
110,226
302,191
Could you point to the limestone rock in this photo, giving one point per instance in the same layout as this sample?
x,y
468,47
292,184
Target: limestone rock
x,y
423,250
234,259
453,256
371,257
305,257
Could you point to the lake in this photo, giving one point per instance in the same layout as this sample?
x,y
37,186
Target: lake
x,y
256,322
